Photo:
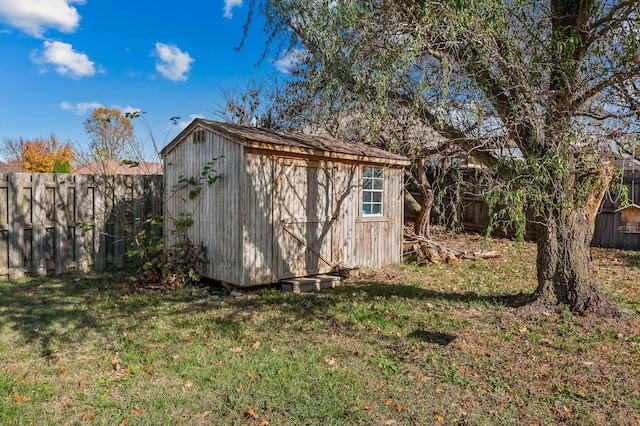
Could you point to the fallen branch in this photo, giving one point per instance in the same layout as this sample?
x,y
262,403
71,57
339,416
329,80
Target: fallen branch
x,y
429,251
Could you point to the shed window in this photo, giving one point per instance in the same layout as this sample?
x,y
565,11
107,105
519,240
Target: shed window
x,y
372,190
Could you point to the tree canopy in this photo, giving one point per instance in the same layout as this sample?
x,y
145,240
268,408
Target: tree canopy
x,y
110,134
549,82
38,155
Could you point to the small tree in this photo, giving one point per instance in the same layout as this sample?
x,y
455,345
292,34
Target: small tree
x,y
110,135
38,155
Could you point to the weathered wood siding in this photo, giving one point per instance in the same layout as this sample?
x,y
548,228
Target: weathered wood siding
x,y
40,215
370,241
275,215
216,210
304,217
257,216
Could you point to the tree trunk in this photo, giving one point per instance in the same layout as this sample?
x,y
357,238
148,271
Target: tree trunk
x,y
564,270
411,206
424,217
565,276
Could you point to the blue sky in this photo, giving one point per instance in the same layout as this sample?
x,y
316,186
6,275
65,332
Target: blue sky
x,y
62,58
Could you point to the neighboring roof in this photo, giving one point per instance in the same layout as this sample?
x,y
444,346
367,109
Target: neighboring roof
x,y
7,168
625,162
630,206
113,167
289,141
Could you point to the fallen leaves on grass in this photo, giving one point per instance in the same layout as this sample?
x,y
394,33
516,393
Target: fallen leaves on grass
x,y
250,414
17,398
204,414
88,417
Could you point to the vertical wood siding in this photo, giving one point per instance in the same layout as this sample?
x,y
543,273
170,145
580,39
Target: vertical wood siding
x,y
606,232
273,216
304,217
216,211
258,240
40,213
376,241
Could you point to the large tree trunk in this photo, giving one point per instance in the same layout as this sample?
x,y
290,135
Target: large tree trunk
x,y
565,276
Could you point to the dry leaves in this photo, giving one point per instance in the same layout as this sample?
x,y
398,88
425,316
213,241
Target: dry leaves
x,y
17,398
251,415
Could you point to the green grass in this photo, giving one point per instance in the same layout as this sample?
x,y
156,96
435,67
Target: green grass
x,y
406,345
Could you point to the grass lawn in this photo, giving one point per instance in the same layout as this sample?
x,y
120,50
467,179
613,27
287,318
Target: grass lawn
x,y
404,345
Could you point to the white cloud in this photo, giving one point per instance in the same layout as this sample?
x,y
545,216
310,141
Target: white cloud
x,y
66,61
183,124
128,109
228,7
290,59
172,63
34,17
81,108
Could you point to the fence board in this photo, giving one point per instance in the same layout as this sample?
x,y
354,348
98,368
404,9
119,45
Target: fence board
x,y
60,229
16,225
39,230
57,223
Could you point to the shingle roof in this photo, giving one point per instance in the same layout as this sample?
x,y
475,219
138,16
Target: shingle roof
x,y
251,135
113,167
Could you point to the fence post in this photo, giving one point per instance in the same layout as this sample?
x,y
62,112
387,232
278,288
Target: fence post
x,y
99,222
61,224
84,210
16,225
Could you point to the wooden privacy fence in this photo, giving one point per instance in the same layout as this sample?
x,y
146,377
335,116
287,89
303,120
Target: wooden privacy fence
x,y
474,214
58,223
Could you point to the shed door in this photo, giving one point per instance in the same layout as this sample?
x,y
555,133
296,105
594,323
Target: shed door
x,y
304,218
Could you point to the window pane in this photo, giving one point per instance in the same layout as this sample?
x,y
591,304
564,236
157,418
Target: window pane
x,y
372,190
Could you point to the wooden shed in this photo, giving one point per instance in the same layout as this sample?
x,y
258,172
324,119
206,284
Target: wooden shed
x,y
286,204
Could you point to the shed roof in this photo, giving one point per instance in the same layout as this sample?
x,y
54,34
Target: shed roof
x,y
288,141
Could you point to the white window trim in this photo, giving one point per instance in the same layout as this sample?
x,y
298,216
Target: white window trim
x,y
372,191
